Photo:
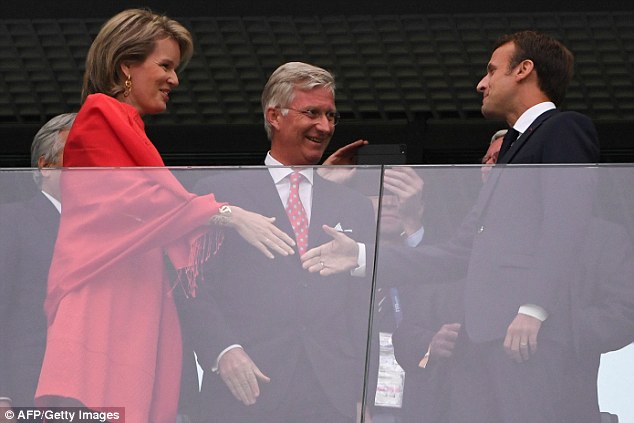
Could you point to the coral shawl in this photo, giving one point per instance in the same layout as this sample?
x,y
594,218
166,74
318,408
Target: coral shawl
x,y
114,336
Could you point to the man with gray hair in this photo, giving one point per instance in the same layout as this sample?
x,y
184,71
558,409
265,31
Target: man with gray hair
x,y
28,230
288,85
278,343
47,150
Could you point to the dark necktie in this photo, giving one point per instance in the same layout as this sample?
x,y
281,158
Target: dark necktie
x,y
509,139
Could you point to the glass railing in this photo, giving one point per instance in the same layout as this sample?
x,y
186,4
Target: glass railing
x,y
399,316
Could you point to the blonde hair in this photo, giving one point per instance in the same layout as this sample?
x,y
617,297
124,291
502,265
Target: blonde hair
x,y
280,88
129,37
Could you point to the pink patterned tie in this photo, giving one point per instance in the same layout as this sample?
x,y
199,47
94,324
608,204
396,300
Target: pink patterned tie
x,y
297,214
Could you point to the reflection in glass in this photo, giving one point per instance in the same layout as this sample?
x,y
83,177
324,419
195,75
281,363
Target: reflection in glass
x,y
465,270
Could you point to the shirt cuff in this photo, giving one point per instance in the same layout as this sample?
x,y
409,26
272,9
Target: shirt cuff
x,y
223,352
423,363
534,311
359,271
416,238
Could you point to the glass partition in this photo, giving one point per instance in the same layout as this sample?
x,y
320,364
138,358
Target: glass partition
x,y
409,276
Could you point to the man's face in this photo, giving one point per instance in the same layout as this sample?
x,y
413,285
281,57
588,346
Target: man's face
x,y
391,222
498,86
491,157
50,178
297,139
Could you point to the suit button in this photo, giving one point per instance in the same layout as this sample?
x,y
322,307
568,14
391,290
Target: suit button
x,y
481,229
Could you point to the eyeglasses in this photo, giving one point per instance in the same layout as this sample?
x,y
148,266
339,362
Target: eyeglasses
x,y
315,114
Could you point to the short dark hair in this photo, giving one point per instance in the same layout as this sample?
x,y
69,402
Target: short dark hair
x,y
553,61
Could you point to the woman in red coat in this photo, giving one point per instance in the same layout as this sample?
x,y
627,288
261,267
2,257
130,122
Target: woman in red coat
x,y
114,336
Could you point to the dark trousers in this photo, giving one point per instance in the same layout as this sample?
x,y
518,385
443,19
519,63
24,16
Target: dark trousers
x,y
489,387
306,403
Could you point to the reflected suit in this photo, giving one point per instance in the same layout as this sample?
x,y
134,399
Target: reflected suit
x,y
27,237
429,307
296,326
602,312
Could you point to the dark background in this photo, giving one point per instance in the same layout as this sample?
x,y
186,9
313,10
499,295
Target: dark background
x,y
406,71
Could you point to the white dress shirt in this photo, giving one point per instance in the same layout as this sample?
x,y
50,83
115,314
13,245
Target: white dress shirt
x,y
521,125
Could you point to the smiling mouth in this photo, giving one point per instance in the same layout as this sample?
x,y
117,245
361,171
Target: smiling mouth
x,y
317,140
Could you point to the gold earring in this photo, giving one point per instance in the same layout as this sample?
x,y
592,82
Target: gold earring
x,y
128,86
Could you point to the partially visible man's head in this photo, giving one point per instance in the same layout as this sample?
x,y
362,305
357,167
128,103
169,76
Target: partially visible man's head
x,y
526,68
491,156
298,103
553,61
47,148
391,220
48,144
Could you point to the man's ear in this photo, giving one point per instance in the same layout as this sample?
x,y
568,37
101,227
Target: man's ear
x,y
41,162
524,69
273,115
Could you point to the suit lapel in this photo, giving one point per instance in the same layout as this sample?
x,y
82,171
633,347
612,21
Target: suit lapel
x,y
322,212
44,212
494,176
260,187
508,156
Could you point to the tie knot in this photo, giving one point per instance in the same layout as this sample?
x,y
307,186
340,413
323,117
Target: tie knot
x,y
295,177
512,134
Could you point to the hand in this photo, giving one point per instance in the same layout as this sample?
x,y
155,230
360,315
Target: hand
x,y
346,155
408,187
336,256
444,341
241,375
521,337
260,232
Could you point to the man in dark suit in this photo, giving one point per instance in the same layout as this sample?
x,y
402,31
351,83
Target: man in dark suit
x,y
538,235
27,236
518,245
424,345
277,343
602,312
425,341
602,320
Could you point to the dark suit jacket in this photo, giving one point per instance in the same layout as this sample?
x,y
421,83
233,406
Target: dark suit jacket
x,y
27,237
520,240
428,308
528,228
276,310
602,311
602,306
555,137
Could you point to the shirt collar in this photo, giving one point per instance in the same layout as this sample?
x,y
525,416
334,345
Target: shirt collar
x,y
529,116
278,171
53,200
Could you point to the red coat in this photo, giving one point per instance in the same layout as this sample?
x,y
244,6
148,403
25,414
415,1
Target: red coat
x,y
114,335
